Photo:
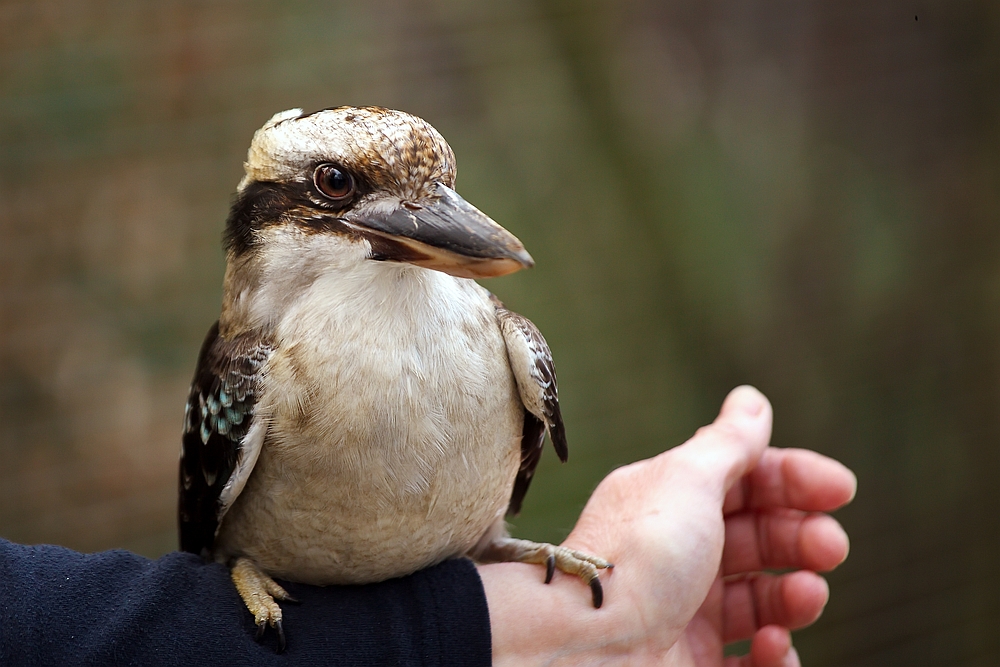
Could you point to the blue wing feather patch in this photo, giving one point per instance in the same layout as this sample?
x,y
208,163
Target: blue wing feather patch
x,y
217,417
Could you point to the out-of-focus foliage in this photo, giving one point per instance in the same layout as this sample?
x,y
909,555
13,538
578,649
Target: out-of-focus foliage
x,y
799,195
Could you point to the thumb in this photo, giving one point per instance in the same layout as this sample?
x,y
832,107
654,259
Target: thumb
x,y
731,446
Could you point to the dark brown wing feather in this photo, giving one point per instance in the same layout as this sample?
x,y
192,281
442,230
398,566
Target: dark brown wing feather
x,y
218,414
543,372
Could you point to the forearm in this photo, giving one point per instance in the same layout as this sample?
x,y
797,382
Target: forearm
x,y
62,607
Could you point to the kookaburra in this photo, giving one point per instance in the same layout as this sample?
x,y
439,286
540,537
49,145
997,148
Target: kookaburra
x,y
363,408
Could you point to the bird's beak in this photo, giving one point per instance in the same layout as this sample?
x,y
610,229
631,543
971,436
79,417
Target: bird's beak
x,y
445,233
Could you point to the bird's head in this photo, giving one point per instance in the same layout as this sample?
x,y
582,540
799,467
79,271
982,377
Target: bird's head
x,y
379,182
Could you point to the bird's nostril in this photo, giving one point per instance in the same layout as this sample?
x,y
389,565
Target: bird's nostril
x,y
413,206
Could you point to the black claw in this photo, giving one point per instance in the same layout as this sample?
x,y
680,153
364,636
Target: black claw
x,y
598,591
281,637
262,628
289,598
611,566
550,568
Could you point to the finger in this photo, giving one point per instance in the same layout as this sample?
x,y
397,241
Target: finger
x,y
792,600
729,447
758,541
771,647
796,478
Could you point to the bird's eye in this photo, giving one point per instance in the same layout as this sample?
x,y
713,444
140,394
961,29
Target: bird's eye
x,y
334,183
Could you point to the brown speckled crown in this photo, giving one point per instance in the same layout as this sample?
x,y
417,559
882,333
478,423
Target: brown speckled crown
x,y
391,149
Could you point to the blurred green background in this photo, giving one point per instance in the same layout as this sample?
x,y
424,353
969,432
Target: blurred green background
x,y
799,195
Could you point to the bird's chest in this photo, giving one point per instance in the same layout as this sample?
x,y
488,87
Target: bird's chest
x,y
393,442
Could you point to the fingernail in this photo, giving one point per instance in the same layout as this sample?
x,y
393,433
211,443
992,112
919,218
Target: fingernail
x,y
748,400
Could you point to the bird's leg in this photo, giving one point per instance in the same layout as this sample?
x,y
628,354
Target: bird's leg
x,y
502,549
258,592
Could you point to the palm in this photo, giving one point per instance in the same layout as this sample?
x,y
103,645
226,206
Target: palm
x,y
702,642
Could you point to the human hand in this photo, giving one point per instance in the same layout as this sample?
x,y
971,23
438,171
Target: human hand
x,y
690,532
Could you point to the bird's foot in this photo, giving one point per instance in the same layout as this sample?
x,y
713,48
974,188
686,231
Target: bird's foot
x,y
570,561
259,592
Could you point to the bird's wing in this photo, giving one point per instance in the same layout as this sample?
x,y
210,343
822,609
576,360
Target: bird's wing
x,y
535,374
223,434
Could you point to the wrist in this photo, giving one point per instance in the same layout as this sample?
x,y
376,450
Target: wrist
x,y
537,624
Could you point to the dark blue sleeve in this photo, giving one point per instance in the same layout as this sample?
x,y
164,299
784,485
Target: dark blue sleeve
x,y
60,607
